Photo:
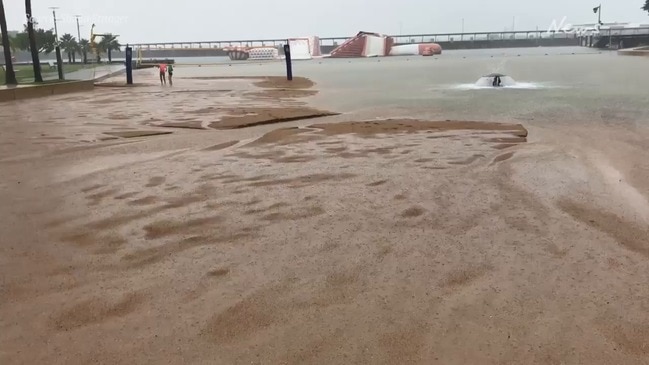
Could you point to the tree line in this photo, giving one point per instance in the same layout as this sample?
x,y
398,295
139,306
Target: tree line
x,y
38,40
72,47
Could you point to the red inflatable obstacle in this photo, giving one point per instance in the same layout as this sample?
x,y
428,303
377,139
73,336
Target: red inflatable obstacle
x,y
367,44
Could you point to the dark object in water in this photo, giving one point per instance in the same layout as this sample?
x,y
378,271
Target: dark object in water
x,y
497,82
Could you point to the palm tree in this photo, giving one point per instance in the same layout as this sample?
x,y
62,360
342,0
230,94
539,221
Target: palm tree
x,y
75,48
10,74
84,48
646,6
108,44
36,63
69,45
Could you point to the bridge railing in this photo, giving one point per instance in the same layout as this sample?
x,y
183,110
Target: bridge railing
x,y
639,31
406,38
480,36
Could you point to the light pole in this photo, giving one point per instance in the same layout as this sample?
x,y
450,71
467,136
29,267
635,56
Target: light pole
x,y
59,60
78,28
598,10
56,31
462,36
400,32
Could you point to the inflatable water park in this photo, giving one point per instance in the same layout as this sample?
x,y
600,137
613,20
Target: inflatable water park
x,y
363,44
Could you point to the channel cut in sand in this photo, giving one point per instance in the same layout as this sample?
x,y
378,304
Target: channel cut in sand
x,y
224,238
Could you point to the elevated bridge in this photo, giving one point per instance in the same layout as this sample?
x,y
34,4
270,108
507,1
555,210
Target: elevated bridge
x,y
612,37
536,36
616,37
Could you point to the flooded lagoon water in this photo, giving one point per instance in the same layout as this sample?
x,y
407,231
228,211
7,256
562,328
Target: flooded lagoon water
x,y
579,84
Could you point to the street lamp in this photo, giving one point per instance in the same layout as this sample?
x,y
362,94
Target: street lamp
x,y
56,31
598,11
78,28
462,36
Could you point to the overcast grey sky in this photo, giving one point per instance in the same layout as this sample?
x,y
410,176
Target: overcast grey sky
x,y
172,20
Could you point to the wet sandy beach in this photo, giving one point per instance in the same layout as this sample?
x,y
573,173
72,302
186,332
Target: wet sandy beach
x,y
158,225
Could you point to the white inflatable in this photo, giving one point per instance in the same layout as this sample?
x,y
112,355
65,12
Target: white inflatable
x,y
304,48
374,46
414,49
263,53
405,50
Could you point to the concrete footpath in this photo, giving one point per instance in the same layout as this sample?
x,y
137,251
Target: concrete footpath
x,y
96,73
638,51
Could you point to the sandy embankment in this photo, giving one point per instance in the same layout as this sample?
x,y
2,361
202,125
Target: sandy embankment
x,y
272,89
396,241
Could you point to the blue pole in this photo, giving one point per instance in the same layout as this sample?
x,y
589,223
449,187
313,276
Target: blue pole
x,y
129,65
289,65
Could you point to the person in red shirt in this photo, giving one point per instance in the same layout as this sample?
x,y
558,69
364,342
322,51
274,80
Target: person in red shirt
x,y
163,73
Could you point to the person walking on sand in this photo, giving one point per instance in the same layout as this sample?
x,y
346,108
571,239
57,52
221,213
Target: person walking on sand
x,y
170,69
163,73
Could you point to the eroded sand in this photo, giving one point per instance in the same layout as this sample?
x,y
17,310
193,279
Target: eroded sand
x,y
335,242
